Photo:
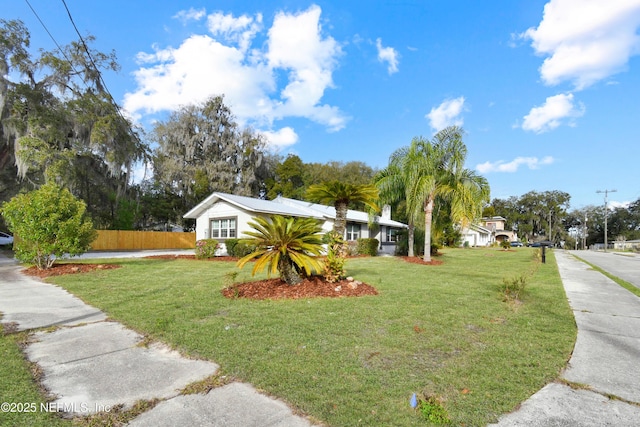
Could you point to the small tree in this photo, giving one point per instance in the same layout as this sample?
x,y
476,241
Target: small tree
x,y
286,245
334,264
48,223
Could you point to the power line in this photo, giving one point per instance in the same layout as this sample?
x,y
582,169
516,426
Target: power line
x,y
46,29
96,69
606,213
103,84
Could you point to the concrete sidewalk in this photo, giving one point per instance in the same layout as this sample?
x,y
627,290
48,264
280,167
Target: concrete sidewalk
x,y
91,364
605,365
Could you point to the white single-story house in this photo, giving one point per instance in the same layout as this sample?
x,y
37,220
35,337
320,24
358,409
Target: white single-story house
x,y
476,235
222,216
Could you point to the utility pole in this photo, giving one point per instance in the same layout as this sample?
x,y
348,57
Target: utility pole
x,y
584,234
606,214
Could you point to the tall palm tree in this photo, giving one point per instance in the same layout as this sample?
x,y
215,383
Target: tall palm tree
x,y
286,245
340,195
426,170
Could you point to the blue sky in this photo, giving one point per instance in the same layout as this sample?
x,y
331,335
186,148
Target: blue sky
x,y
547,91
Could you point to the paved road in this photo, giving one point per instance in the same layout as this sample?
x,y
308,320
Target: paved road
x,y
623,265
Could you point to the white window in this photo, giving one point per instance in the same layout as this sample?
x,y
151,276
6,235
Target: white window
x,y
353,231
223,228
392,234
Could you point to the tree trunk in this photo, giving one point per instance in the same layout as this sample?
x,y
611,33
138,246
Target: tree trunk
x,y
341,218
411,238
340,226
287,272
428,215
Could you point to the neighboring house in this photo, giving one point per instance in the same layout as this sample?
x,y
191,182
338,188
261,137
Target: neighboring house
x,y
492,230
496,224
626,245
222,216
476,235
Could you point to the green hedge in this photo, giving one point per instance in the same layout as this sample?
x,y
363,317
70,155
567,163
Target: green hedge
x,y
238,249
231,244
368,246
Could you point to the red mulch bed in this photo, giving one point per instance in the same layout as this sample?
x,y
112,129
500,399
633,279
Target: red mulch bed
x,y
217,258
418,260
60,269
309,288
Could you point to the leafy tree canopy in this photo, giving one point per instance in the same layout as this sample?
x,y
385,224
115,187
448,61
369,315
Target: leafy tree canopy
x,y
535,215
59,123
201,149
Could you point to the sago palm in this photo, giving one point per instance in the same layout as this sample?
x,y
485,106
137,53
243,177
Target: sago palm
x,y
286,245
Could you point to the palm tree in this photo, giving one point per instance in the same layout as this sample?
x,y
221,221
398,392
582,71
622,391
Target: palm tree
x,y
426,170
286,245
340,195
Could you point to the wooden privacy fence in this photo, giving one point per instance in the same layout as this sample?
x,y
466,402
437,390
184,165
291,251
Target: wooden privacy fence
x,y
111,240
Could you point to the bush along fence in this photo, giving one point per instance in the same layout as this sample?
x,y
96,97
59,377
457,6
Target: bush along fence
x,y
113,240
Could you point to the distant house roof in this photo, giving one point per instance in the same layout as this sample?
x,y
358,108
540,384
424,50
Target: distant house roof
x,y
287,207
494,218
479,228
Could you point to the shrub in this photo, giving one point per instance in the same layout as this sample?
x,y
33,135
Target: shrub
x,y
230,245
351,248
242,249
334,263
49,224
505,244
206,248
513,287
435,248
368,246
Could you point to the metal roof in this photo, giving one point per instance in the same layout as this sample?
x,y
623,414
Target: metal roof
x,y
250,204
284,206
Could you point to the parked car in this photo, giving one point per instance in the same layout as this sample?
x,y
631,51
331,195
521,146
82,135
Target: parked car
x,y
5,239
516,244
540,244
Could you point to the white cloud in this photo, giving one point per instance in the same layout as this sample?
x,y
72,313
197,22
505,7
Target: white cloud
x,y
388,55
615,204
514,165
277,140
585,41
224,62
190,15
447,114
296,44
240,31
550,115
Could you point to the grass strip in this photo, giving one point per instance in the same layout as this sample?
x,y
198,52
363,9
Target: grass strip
x,y
628,286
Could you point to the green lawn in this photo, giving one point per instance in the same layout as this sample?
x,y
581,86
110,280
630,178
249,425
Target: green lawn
x,y
441,330
18,389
